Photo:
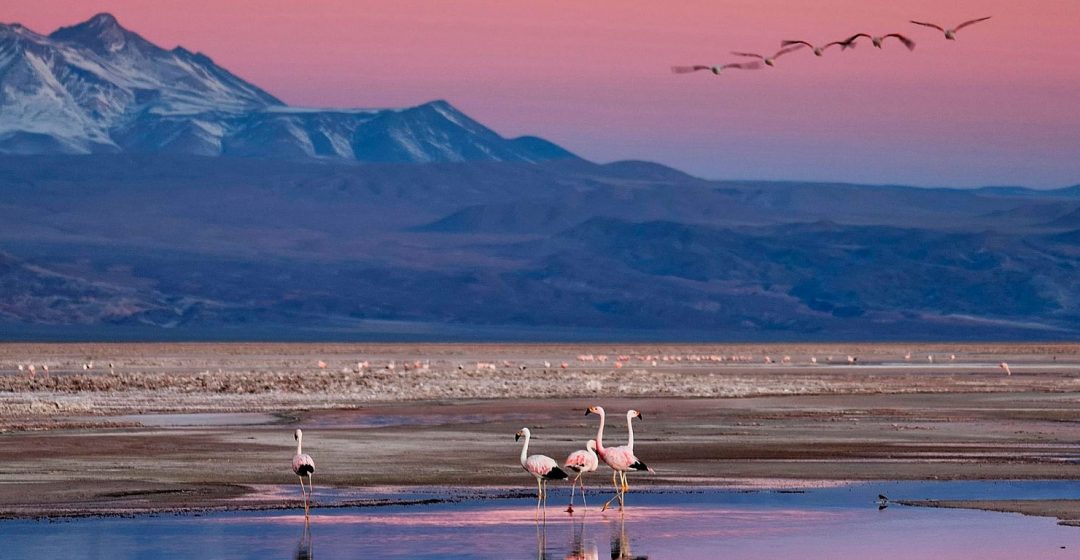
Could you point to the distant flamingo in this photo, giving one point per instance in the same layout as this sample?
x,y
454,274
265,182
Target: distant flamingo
x,y
950,34
542,467
581,461
1005,367
818,51
302,464
878,40
716,69
620,459
770,60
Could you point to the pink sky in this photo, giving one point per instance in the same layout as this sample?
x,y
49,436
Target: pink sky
x,y
998,106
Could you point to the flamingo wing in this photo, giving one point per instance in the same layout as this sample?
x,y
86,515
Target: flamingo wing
x,y
925,24
752,55
688,69
744,65
786,50
971,22
303,464
790,43
903,39
543,466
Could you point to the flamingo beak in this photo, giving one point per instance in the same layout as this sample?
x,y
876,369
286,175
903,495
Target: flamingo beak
x,y
517,436
640,416
587,411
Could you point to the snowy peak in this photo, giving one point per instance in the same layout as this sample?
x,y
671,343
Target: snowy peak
x,y
101,33
98,87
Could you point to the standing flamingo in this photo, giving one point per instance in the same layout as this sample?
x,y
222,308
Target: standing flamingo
x,y
620,459
581,461
950,34
302,464
542,467
1005,367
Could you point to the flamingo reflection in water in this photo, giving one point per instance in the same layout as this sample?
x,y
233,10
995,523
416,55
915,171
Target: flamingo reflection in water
x,y
304,550
579,548
620,542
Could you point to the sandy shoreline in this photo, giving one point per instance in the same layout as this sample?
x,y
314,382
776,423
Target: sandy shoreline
x,y
198,427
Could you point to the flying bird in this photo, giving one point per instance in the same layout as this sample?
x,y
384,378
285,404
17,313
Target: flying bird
x,y
716,69
302,464
950,34
770,60
877,41
542,467
819,51
581,461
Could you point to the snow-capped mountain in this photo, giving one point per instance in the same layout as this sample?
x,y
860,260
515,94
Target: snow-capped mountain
x,y
97,87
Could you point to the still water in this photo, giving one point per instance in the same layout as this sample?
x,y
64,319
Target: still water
x,y
840,522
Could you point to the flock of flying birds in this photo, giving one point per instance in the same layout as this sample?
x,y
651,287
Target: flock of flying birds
x,y
789,46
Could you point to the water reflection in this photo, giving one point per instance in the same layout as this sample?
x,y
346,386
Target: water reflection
x,y
620,542
579,548
304,549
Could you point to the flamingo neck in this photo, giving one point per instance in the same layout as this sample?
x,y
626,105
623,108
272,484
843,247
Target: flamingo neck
x,y
299,442
600,435
630,432
525,450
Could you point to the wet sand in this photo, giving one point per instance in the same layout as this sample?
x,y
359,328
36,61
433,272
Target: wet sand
x,y
204,426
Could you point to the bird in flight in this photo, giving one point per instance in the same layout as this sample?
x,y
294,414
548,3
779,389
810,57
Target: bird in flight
x,y
819,51
770,60
950,34
716,69
877,41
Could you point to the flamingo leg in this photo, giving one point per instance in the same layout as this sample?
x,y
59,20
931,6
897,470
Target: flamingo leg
x,y
311,490
618,492
573,486
583,502
539,493
304,493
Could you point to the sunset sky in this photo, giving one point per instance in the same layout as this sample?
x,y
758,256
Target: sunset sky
x,y
999,106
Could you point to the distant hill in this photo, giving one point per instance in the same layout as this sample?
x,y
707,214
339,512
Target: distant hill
x,y
167,247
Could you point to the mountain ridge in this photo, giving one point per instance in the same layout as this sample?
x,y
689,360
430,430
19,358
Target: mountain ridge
x,y
97,87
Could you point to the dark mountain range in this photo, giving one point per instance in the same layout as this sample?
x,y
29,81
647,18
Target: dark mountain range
x,y
151,194
182,246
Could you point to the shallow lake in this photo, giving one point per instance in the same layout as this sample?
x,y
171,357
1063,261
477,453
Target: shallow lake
x,y
833,522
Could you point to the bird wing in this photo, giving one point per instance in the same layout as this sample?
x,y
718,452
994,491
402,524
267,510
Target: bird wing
x,y
967,23
790,43
907,42
842,44
688,69
752,55
924,24
744,65
540,464
786,50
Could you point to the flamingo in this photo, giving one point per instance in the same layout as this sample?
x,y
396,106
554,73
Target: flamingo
x,y
716,69
950,34
1005,367
878,40
581,461
542,467
819,51
770,60
302,464
620,459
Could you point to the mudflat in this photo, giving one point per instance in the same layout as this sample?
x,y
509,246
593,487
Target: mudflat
x,y
131,428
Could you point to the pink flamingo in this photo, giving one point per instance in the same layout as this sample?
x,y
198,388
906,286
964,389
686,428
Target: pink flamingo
x,y
581,461
542,467
302,464
716,69
950,34
1005,367
620,459
877,41
818,51
770,60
